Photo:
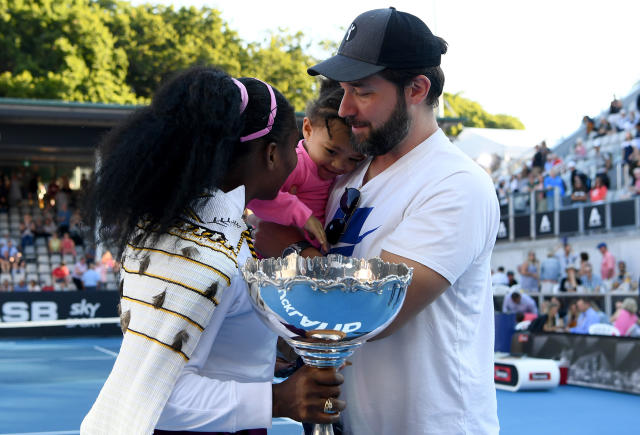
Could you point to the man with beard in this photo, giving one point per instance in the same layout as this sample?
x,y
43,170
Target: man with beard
x,y
417,200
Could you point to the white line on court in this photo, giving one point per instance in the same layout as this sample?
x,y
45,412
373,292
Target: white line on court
x,y
61,432
70,358
276,422
281,421
107,351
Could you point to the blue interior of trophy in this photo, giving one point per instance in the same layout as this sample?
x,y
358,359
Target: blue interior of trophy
x,y
350,314
332,299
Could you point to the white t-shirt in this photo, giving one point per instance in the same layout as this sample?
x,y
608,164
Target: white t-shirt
x,y
434,375
226,385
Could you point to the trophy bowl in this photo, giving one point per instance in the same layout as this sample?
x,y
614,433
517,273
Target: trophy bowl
x,y
325,307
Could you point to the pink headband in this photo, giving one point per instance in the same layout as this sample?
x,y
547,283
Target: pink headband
x,y
245,100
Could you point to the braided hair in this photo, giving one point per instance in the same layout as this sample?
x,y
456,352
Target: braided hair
x,y
163,157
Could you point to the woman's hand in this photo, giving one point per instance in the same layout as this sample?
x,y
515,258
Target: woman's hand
x,y
302,397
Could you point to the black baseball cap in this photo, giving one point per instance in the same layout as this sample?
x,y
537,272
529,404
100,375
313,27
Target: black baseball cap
x,y
380,39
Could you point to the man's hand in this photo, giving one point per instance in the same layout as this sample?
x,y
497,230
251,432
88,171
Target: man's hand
x,y
303,395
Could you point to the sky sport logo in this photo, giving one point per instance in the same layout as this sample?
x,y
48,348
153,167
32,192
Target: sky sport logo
x,y
84,309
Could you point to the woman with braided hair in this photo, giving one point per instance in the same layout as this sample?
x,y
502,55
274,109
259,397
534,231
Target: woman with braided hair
x,y
170,191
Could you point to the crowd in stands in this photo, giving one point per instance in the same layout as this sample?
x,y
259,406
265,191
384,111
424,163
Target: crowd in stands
x,y
564,272
42,239
584,175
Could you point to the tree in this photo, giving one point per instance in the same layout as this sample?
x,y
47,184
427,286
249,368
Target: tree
x,y
60,49
282,63
475,116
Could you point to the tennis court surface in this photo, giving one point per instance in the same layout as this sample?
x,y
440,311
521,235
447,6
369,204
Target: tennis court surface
x,y
48,385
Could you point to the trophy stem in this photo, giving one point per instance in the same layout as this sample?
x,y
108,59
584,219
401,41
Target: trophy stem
x,y
322,429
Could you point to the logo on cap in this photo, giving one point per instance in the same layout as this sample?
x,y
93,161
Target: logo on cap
x,y
351,33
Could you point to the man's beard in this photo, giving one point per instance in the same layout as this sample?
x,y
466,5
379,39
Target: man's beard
x,y
385,138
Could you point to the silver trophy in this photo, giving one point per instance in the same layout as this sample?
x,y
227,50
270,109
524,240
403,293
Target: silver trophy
x,y
325,307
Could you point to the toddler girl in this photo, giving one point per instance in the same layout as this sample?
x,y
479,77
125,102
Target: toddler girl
x,y
323,154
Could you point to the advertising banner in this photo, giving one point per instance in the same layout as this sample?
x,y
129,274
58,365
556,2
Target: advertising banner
x,y
43,306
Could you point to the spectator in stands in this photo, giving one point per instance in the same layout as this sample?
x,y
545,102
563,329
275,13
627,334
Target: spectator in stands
x,y
570,282
580,150
529,273
579,192
549,321
63,218
9,251
75,228
78,270
588,316
551,182
629,122
27,234
636,180
15,190
49,228
602,162
608,265
63,198
21,286
604,127
33,286
626,316
499,277
584,262
567,258
511,276
5,286
574,171
55,244
615,106
539,159
591,282
52,192
571,318
90,279
599,191
516,302
502,191
589,124
61,274
549,272
18,270
622,281
604,318
67,245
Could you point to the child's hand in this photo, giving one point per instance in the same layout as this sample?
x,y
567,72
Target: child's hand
x,y
314,227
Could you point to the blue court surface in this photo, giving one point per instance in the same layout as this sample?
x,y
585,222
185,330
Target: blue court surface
x,y
48,385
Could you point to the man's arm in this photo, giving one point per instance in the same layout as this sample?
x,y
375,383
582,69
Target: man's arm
x,y
425,288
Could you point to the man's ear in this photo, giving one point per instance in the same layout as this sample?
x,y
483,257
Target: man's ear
x,y
306,128
418,89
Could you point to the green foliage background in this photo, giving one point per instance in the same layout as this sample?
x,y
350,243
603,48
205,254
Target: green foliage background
x,y
110,51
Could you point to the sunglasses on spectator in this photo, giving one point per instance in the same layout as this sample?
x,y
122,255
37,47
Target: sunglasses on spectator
x,y
348,204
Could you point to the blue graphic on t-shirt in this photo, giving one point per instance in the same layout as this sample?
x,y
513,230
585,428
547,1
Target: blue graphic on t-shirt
x,y
351,236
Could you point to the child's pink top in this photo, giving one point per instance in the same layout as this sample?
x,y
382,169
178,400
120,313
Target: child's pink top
x,y
625,321
312,193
